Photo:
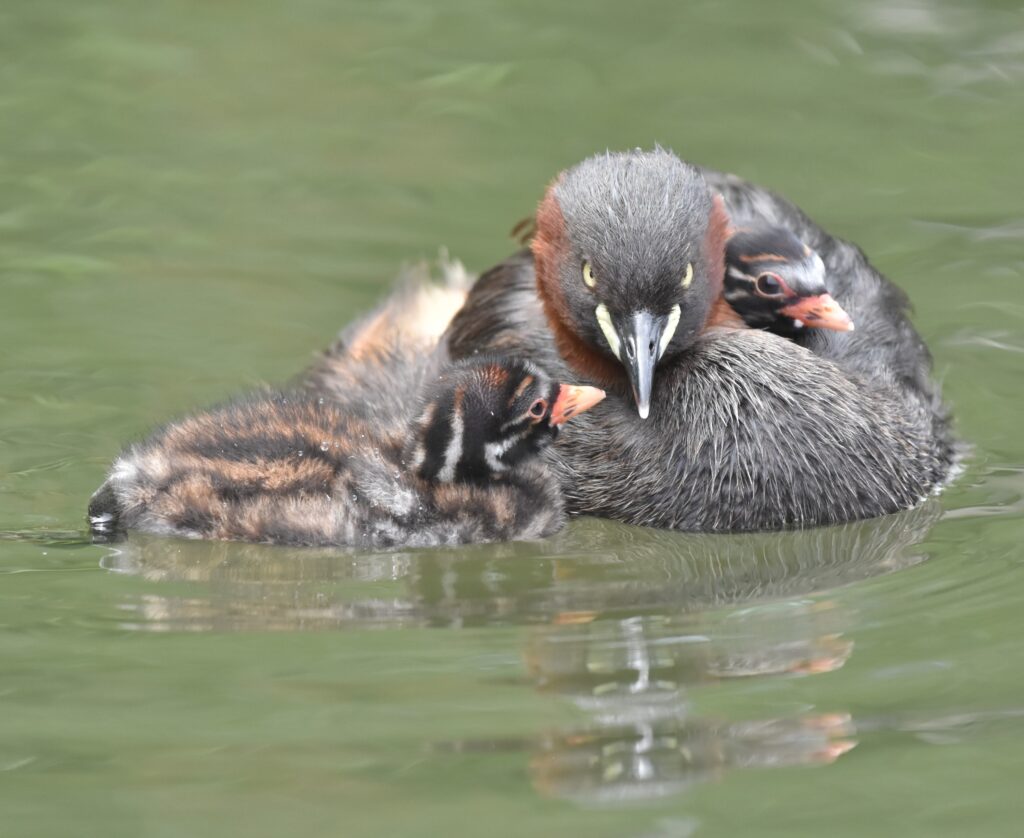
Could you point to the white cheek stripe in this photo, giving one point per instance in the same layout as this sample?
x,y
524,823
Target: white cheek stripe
x,y
604,320
819,267
670,329
419,454
454,449
493,451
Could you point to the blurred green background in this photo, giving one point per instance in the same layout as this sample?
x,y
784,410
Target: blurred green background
x,y
195,196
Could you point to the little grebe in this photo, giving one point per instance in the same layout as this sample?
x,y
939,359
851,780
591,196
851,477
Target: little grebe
x,y
773,281
746,430
776,282
417,451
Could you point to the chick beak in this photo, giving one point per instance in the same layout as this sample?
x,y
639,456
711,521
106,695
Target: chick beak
x,y
819,312
572,400
641,341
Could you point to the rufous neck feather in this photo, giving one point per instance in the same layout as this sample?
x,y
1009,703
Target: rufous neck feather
x,y
718,233
549,246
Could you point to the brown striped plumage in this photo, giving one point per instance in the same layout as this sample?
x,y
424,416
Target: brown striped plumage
x,y
407,450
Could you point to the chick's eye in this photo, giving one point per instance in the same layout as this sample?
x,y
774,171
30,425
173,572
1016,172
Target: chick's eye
x,y
768,285
588,275
538,409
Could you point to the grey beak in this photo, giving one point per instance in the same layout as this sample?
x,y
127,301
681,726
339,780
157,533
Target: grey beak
x,y
641,335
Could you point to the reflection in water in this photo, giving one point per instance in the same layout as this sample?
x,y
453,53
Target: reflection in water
x,y
639,668
625,624
61,539
646,761
999,493
596,569
632,678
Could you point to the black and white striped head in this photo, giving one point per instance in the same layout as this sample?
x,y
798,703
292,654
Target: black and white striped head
x,y
776,282
485,416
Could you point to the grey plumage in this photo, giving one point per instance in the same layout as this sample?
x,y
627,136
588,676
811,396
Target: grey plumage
x,y
790,442
884,342
605,200
747,430
639,219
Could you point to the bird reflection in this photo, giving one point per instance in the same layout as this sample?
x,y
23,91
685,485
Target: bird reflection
x,y
626,624
632,668
647,761
596,568
633,678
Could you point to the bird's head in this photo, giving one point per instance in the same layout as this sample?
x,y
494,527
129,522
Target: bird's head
x,y
485,416
629,254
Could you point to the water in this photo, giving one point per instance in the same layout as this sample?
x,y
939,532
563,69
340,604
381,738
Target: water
x,y
195,196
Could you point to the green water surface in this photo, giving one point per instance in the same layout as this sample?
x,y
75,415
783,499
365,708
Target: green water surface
x,y
194,196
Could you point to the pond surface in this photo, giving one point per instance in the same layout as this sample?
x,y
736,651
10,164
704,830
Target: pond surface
x,y
194,196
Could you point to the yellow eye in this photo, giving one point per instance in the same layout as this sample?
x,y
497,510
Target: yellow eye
x,y
688,276
588,275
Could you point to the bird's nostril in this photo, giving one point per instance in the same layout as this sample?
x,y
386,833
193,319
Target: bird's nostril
x,y
630,348
651,347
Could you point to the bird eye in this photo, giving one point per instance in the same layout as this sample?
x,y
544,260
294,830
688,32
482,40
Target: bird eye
x,y
688,276
769,285
538,409
588,275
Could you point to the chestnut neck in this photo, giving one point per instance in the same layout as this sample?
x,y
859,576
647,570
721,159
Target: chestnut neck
x,y
548,245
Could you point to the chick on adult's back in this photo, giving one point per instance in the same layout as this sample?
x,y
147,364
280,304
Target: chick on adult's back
x,y
708,425
407,450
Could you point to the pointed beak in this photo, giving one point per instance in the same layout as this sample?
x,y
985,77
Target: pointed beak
x,y
820,312
641,341
572,400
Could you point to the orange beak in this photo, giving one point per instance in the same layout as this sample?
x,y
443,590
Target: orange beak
x,y
572,400
821,312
